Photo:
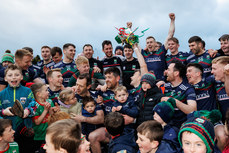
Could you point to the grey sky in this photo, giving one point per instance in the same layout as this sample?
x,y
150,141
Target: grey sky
x,y
35,23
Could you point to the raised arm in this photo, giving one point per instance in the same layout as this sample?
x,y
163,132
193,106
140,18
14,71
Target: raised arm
x,y
141,60
171,29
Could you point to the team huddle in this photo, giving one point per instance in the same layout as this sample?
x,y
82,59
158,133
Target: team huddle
x,y
156,102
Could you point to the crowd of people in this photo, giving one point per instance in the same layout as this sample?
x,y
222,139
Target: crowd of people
x,y
156,102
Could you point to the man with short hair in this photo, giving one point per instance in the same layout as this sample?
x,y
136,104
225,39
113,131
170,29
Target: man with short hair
x,y
112,76
109,60
55,81
155,58
224,42
67,65
199,55
182,92
173,45
56,53
130,64
204,87
23,59
88,53
46,63
218,65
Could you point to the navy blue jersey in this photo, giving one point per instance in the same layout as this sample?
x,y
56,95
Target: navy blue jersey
x,y
108,100
180,56
53,95
128,71
41,64
67,70
156,61
95,63
183,92
114,61
205,60
206,94
222,98
93,94
28,76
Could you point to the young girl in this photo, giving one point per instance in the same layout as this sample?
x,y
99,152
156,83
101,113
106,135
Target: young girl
x,y
68,102
42,110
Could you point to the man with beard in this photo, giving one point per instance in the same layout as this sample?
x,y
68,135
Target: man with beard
x,y
55,80
67,65
106,99
130,64
199,55
109,60
182,92
173,45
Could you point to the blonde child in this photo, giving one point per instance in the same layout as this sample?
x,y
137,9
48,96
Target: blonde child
x,y
42,110
68,102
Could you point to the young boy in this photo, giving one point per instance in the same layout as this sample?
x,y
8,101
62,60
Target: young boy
x,y
120,141
15,91
150,134
124,103
7,144
163,113
197,135
89,110
63,136
149,96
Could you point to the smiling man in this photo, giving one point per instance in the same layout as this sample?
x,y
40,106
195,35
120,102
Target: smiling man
x,y
88,53
130,64
67,65
173,45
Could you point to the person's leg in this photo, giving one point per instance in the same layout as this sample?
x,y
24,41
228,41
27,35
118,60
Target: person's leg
x,y
97,136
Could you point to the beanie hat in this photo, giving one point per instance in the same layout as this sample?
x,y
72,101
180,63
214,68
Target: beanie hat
x,y
8,57
119,47
204,129
213,116
149,78
165,109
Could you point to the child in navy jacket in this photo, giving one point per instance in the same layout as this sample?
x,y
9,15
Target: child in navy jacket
x,y
121,141
89,110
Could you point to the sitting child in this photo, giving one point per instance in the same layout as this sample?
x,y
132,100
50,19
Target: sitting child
x,y
163,113
197,135
121,141
89,110
42,110
150,134
124,104
7,144
63,136
68,102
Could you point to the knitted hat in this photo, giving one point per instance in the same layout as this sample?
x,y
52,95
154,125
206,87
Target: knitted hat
x,y
213,116
165,109
8,57
119,47
204,129
149,78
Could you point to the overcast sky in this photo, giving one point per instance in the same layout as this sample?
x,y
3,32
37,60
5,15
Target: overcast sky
x,y
35,23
